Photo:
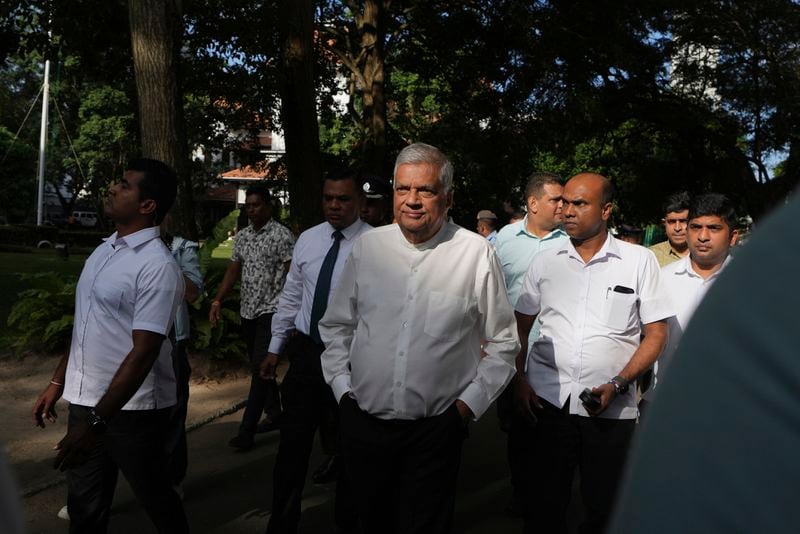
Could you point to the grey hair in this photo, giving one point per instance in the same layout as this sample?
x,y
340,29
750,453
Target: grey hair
x,y
417,153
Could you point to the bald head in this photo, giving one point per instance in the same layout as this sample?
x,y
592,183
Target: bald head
x,y
597,180
587,205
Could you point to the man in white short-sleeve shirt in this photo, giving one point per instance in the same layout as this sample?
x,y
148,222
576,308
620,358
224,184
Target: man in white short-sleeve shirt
x,y
595,296
403,357
710,233
118,375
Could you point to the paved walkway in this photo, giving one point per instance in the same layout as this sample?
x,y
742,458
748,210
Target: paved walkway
x,y
225,491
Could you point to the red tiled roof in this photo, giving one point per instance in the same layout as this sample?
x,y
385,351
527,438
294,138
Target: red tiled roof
x,y
263,170
223,193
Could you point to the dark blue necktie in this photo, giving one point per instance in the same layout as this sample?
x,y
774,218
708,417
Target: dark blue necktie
x,y
323,287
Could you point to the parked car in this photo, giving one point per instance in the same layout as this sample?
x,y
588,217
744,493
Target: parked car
x,y
87,219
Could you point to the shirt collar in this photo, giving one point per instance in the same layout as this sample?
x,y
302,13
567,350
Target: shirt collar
x,y
135,239
523,229
350,232
447,228
263,228
609,248
685,267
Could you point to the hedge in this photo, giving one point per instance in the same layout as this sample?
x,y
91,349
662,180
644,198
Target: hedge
x,y
28,235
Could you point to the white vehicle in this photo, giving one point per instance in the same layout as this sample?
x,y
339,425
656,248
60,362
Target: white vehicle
x,y
85,218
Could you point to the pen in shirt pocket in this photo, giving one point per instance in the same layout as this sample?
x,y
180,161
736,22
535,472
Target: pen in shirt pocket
x,y
619,289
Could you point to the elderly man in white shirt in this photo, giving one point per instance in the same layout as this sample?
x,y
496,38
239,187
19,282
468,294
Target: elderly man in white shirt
x,y
118,375
710,233
595,296
403,356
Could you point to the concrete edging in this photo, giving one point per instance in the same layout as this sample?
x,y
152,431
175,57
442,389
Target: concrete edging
x,y
61,479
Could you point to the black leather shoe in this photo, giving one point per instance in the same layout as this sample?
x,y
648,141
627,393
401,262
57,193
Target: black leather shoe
x,y
243,442
327,472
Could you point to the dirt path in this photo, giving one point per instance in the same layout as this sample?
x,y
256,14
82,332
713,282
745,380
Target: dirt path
x,y
30,449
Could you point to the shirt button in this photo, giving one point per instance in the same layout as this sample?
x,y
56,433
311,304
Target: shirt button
x,y
411,297
405,325
402,353
398,383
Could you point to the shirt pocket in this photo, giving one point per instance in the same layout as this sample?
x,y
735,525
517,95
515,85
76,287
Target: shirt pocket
x,y
444,318
619,310
109,299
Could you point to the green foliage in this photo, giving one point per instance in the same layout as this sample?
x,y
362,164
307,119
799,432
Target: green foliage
x,y
42,317
224,341
17,176
218,236
104,137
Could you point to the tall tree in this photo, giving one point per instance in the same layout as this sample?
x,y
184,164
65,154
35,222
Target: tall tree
x,y
355,31
299,111
156,37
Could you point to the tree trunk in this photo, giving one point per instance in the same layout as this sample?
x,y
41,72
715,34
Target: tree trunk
x,y
299,112
372,36
156,34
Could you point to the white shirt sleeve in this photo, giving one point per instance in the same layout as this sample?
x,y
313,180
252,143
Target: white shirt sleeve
x,y
337,326
654,301
288,306
529,301
159,290
498,329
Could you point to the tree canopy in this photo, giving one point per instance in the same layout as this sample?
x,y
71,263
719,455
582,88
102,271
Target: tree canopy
x,y
660,95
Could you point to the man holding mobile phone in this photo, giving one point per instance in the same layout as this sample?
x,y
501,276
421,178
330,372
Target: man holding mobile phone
x,y
595,297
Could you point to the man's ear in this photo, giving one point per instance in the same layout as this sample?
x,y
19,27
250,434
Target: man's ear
x,y
533,204
607,209
147,206
734,237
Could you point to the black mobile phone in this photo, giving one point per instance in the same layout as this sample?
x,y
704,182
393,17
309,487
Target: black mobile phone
x,y
624,290
591,400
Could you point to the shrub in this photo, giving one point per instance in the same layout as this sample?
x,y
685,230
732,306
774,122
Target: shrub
x,y
43,315
223,341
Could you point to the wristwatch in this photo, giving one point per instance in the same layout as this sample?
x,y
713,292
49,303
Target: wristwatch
x,y
620,385
96,423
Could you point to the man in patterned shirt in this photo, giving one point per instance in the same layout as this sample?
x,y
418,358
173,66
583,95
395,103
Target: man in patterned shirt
x,y
261,256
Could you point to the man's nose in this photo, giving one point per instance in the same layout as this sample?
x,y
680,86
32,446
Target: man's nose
x,y
413,197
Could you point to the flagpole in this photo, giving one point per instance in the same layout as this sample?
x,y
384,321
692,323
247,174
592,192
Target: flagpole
x,y
43,143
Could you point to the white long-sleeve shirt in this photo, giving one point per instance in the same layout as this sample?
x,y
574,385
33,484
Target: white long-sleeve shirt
x,y
297,297
404,326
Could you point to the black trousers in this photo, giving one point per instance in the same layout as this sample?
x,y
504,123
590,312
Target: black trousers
x,y
516,444
403,473
177,450
559,443
307,405
263,395
134,444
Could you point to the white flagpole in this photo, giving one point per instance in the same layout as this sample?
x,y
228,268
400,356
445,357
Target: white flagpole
x,y
43,143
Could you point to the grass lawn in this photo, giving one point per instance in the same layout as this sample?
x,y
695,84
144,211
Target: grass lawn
x,y
224,250
12,264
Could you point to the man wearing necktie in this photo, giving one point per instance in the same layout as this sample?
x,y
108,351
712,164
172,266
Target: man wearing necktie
x,y
317,261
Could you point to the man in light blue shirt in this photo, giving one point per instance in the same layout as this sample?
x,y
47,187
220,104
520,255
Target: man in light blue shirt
x,y
517,244
185,254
